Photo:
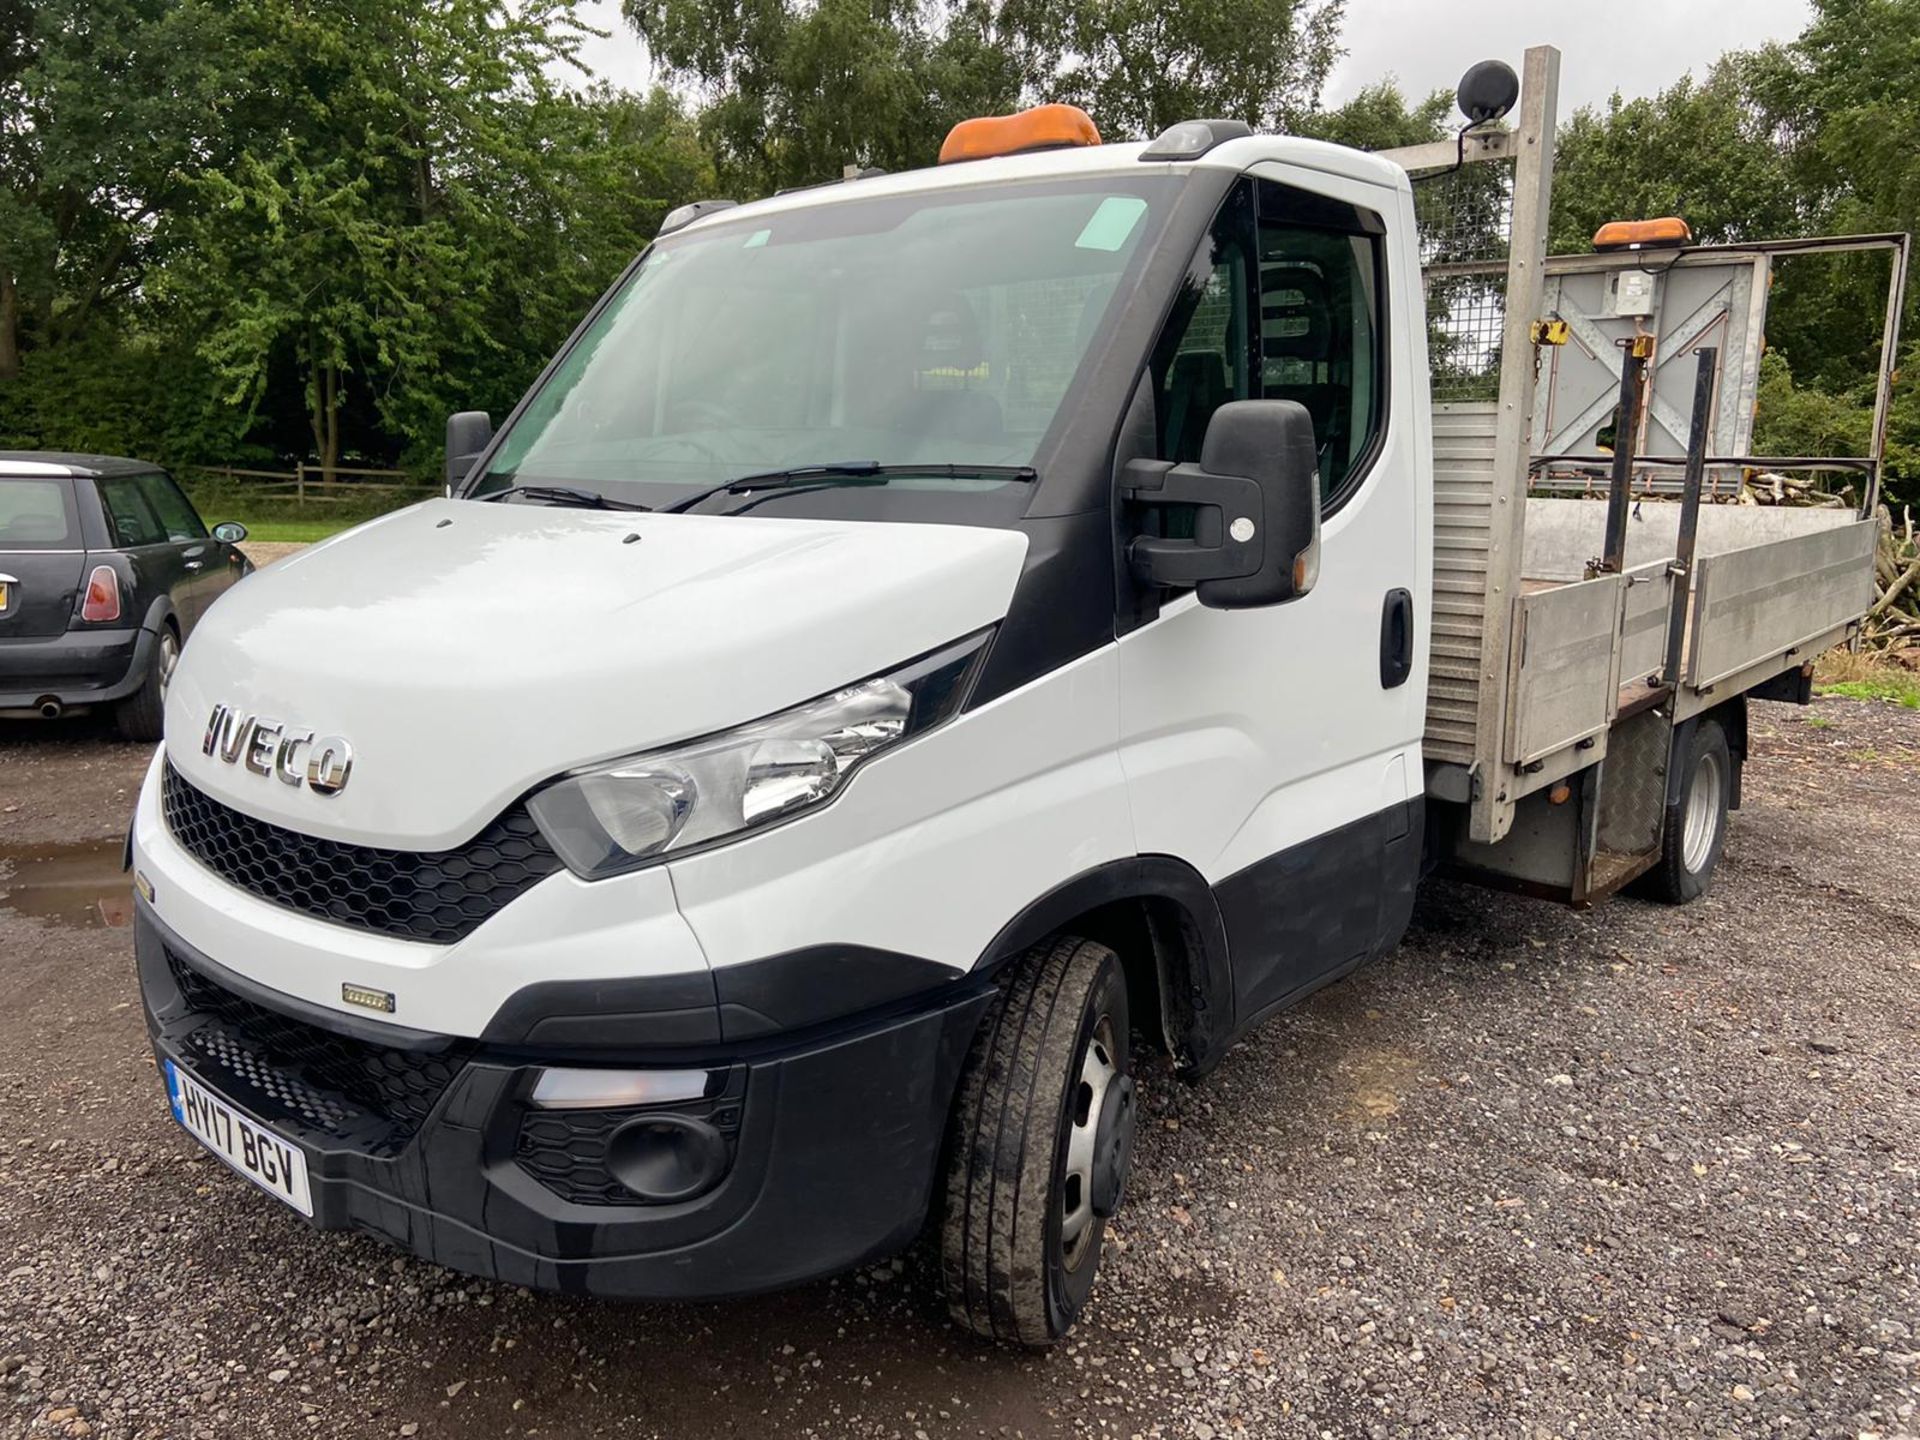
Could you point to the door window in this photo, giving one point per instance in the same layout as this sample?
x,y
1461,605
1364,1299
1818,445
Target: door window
x,y
1320,272
132,519
1282,302
1204,359
176,513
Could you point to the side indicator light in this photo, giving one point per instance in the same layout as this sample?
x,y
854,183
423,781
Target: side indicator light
x,y
103,595
1045,127
367,998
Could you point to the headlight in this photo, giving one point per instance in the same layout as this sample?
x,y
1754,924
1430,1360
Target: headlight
x,y
628,813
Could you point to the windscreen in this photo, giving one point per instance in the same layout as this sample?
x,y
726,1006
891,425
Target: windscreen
x,y
36,514
943,329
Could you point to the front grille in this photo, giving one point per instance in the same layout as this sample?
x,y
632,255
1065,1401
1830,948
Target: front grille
x,y
438,896
282,1068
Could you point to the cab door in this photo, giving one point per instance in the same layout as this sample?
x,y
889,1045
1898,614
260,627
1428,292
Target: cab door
x,y
1277,750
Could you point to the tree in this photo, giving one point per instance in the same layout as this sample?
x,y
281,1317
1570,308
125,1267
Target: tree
x,y
1703,150
101,104
795,90
405,197
1138,66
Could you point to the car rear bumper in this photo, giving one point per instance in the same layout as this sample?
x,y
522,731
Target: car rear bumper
x,y
832,1135
81,667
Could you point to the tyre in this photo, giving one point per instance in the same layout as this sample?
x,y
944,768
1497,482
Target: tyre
x,y
1696,826
1041,1141
142,715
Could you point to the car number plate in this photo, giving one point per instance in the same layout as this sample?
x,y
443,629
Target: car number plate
x,y
273,1164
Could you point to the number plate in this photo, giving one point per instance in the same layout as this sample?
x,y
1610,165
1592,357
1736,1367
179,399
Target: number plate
x,y
273,1164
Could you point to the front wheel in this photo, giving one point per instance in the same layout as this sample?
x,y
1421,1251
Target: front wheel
x,y
1696,826
1041,1142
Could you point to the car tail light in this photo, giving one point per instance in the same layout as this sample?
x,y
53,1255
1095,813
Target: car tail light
x,y
103,595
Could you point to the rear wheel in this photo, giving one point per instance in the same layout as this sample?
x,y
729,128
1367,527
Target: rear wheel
x,y
1696,826
142,715
1041,1142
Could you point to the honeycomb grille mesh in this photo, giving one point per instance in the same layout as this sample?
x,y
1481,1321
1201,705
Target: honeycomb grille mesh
x,y
277,1065
569,1151
437,896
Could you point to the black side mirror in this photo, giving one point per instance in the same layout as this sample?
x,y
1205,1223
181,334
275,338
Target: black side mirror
x,y
1256,509
229,532
467,435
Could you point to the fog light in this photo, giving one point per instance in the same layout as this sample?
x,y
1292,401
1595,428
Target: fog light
x,y
664,1158
604,1089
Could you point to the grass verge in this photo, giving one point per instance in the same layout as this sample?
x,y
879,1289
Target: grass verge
x,y
1867,676
297,532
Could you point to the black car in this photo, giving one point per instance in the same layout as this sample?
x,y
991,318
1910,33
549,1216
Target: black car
x,y
105,567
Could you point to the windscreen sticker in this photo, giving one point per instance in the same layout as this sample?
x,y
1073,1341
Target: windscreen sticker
x,y
1112,223
757,239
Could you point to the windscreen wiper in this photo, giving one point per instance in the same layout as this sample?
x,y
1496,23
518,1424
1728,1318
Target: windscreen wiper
x,y
849,472
563,495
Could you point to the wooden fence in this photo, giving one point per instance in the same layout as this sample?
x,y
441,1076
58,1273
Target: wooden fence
x,y
308,483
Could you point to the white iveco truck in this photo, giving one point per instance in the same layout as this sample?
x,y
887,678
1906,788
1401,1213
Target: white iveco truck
x,y
924,636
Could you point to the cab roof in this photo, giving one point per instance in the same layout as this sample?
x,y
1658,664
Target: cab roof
x,y
1073,162
55,464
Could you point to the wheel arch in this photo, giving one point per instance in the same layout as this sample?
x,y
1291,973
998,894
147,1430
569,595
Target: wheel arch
x,y
161,612
1159,915
1731,716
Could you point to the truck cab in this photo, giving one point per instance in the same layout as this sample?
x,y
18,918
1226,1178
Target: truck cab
x,y
923,637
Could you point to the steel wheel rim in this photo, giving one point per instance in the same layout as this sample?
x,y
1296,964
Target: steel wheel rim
x,y
1703,814
1097,1072
169,657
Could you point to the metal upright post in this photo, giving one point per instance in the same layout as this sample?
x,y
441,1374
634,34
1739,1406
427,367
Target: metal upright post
x,y
1626,433
1697,436
1889,362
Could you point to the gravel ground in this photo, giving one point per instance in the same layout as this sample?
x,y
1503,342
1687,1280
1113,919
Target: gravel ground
x,y
1639,1172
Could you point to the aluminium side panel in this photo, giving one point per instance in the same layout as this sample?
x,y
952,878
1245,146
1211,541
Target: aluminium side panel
x,y
1565,678
1759,603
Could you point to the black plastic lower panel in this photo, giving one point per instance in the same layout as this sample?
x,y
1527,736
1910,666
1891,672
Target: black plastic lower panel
x,y
834,1150
1318,909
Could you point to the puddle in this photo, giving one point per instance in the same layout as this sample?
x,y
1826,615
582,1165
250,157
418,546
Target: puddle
x,y
80,886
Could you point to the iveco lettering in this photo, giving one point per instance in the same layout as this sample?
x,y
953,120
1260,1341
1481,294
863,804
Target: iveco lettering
x,y
929,639
268,747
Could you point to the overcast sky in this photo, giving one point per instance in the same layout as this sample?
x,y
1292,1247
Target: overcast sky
x,y
1634,46
1637,47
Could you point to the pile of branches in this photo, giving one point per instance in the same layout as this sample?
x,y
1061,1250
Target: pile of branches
x,y
1893,622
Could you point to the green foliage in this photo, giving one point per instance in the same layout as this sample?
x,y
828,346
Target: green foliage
x,y
1381,118
238,229
1899,687
796,90
1702,150
1138,66
1789,420
255,230
1817,136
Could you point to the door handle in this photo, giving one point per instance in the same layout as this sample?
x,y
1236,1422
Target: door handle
x,y
195,564
1396,639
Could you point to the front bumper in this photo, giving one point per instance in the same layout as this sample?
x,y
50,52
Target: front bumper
x,y
424,1141
81,667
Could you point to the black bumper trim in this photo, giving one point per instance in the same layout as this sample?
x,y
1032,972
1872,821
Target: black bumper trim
x,y
837,1149
94,667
